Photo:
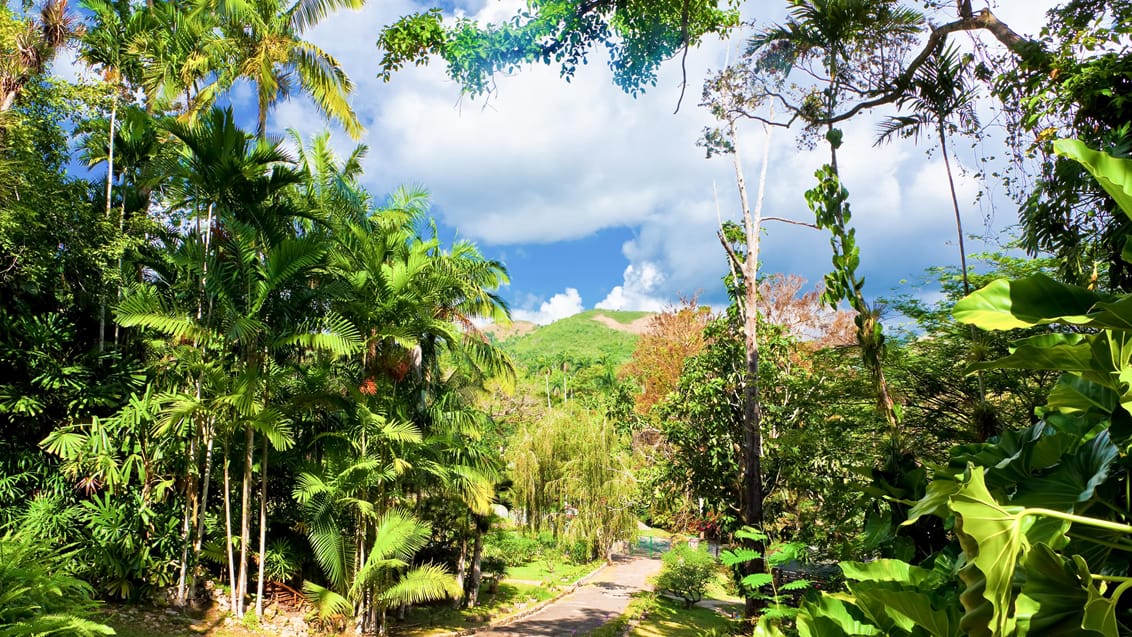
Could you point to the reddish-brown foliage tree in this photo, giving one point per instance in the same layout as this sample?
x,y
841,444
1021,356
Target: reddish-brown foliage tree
x,y
674,335
783,302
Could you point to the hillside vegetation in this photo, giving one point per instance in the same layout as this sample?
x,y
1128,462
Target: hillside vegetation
x,y
584,336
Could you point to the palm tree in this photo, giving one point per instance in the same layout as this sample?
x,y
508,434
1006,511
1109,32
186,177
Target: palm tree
x,y
180,49
106,44
938,96
386,577
254,280
272,54
34,44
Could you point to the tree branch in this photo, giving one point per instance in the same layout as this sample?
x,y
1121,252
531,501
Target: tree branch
x,y
984,20
793,222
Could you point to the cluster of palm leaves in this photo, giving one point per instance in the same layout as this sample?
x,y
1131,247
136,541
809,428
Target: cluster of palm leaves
x,y
306,360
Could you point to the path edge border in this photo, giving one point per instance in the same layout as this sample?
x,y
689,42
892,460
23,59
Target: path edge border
x,y
527,612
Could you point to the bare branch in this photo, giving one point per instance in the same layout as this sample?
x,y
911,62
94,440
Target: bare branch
x,y
983,20
792,222
683,58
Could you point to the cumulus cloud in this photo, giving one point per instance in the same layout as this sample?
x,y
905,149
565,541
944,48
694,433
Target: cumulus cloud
x,y
640,284
542,160
561,305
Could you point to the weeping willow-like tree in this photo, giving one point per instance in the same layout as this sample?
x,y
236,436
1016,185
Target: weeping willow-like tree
x,y
571,472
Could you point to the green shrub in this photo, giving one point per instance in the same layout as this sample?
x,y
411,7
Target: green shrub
x,y
686,573
579,552
514,549
39,597
494,568
283,562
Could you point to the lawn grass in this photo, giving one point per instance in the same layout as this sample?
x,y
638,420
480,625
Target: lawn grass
x,y
562,573
669,618
651,532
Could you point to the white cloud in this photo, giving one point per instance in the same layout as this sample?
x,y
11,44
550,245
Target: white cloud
x,y
561,305
543,160
637,293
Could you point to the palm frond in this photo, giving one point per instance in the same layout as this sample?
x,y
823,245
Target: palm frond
x,y
325,603
426,583
398,535
323,78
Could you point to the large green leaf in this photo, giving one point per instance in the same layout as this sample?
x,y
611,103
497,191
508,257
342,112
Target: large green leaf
x,y
830,616
887,571
1034,300
1073,481
1015,457
936,498
1058,599
895,593
1113,174
1074,394
1061,352
994,537
908,609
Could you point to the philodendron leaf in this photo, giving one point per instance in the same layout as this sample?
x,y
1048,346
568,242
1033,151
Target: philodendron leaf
x,y
830,616
1061,352
935,500
896,594
1073,394
1058,595
1015,457
909,609
1034,300
993,537
886,571
1113,174
1073,481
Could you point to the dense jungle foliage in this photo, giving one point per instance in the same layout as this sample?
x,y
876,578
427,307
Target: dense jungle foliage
x,y
226,366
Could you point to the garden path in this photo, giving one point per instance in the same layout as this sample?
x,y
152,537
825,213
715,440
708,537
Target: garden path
x,y
600,600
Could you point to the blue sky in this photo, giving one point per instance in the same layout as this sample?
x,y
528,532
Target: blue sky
x,y
594,198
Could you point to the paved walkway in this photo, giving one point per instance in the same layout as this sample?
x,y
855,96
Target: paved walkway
x,y
601,600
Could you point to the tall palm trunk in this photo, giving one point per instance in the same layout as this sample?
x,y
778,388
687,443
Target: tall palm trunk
x,y
187,523
262,530
477,572
198,538
232,587
245,516
109,207
461,570
962,247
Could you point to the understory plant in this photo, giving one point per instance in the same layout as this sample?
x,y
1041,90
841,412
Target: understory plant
x,y
686,573
766,586
1039,516
37,594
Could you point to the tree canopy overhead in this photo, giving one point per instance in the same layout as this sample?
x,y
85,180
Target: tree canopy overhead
x,y
639,35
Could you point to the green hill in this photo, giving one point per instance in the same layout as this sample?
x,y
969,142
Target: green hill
x,y
589,335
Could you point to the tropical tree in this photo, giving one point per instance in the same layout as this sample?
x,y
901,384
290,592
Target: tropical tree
x,y
386,578
267,36
29,45
180,51
249,293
